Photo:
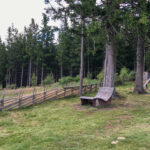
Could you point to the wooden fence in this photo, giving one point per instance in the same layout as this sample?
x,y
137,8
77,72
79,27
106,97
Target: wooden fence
x,y
24,101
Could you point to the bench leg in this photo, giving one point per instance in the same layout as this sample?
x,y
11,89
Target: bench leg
x,y
103,103
94,103
84,102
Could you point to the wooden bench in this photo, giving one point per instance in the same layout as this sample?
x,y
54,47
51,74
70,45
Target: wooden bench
x,y
102,98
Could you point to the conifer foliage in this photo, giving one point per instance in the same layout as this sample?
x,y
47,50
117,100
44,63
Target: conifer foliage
x,y
94,36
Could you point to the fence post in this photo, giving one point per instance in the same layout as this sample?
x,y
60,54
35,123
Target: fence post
x,y
56,93
85,89
2,101
72,90
64,92
90,88
44,93
33,98
79,91
20,98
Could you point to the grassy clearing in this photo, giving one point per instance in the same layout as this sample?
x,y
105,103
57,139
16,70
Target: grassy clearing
x,y
27,90
65,125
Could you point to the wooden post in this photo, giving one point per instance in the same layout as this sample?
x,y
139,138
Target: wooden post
x,y
85,88
64,92
33,98
79,91
20,98
90,88
72,91
2,101
56,93
44,93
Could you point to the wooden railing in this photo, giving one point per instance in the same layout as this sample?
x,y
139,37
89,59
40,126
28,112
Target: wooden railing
x,y
24,101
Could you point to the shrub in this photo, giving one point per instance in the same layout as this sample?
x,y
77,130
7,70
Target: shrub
x,y
118,81
89,75
86,81
132,76
48,80
100,76
89,81
11,86
65,80
124,74
76,79
34,80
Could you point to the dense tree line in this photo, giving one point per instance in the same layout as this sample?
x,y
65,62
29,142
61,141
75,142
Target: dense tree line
x,y
94,36
28,53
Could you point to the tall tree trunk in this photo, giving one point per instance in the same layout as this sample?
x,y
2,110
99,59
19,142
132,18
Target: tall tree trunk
x,y
94,44
88,67
61,70
139,66
30,69
71,72
144,63
82,59
37,67
16,78
109,66
3,83
42,73
22,71
9,78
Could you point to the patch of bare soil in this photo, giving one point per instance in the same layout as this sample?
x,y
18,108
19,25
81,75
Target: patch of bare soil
x,y
115,124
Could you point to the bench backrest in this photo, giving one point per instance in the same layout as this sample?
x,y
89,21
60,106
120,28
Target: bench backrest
x,y
105,93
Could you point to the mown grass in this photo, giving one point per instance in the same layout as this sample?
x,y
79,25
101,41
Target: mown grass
x,y
65,125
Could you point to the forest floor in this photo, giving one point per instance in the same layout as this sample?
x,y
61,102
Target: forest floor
x,y
66,125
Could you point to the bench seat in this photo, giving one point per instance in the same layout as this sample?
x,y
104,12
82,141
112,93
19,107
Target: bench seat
x,y
103,97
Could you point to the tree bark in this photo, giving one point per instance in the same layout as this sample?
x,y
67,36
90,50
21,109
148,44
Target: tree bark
x,y
22,71
109,65
9,78
42,73
15,78
61,70
88,67
30,69
82,59
139,66
37,67
71,71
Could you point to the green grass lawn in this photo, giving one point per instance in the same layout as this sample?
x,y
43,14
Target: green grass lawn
x,y
65,125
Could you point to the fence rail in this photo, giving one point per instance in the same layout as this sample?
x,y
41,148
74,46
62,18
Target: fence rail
x,y
23,101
